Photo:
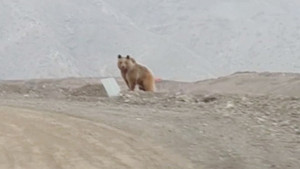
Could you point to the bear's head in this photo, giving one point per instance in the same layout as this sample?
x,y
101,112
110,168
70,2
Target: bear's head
x,y
125,63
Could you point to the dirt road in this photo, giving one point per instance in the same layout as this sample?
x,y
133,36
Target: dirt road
x,y
40,140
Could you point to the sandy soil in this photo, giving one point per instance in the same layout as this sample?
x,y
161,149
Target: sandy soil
x,y
246,120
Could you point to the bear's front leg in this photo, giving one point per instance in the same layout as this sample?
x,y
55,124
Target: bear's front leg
x,y
127,84
132,85
124,77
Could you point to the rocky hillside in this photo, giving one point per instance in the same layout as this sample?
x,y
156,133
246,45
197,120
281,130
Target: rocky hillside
x,y
179,40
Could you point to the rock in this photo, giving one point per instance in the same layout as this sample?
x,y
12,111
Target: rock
x,y
208,99
229,105
26,95
244,99
285,123
183,98
128,96
261,119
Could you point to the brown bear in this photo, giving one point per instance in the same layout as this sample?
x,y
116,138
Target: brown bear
x,y
136,74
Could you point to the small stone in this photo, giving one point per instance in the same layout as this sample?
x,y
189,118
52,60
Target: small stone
x,y
261,119
273,166
183,98
244,99
208,99
285,123
229,105
128,96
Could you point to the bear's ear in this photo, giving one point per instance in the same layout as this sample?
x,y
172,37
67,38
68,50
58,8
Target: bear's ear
x,y
127,57
119,56
133,61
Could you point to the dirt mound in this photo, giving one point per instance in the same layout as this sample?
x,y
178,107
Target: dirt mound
x,y
92,90
165,99
54,88
171,86
287,84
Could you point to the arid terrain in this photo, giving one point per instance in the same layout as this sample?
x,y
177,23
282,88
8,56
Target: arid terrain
x,y
243,121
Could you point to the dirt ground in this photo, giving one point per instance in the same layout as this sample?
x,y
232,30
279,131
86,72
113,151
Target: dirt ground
x,y
243,121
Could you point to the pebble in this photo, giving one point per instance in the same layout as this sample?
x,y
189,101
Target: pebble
x,y
261,119
285,123
229,105
208,99
183,98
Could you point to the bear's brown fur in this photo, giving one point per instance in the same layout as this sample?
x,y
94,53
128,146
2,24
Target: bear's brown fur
x,y
136,74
